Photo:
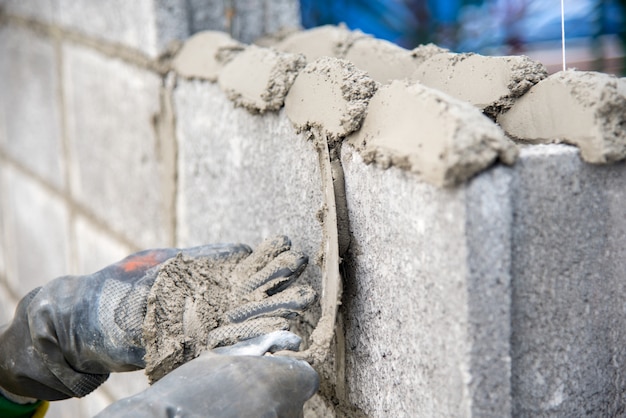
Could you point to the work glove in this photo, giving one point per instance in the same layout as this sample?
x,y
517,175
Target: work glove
x,y
67,336
236,381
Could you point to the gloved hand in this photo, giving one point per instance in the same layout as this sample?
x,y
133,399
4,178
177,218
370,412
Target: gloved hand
x,y
67,336
199,304
235,381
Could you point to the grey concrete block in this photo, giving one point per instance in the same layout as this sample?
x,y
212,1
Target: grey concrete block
x,y
30,116
43,11
427,293
37,231
146,25
95,248
245,20
116,165
243,177
569,258
151,25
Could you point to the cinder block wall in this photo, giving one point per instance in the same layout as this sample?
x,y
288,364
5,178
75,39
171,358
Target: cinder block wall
x,y
500,296
87,172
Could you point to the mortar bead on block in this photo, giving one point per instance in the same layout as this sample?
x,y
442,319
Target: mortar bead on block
x,y
490,83
259,78
445,140
204,54
384,61
330,95
583,108
323,41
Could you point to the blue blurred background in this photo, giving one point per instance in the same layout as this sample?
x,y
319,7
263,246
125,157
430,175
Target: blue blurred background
x,y
595,29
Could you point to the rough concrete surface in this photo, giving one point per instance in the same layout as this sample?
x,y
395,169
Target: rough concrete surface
x,y
198,56
444,140
330,95
569,258
274,73
490,83
323,41
427,294
583,108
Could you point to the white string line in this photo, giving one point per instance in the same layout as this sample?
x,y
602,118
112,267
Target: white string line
x,y
563,33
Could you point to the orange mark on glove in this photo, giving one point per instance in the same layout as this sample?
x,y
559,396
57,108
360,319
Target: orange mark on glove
x,y
142,261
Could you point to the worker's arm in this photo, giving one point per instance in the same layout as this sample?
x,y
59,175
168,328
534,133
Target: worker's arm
x,y
67,336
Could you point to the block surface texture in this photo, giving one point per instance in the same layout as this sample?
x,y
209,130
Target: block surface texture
x,y
427,294
116,165
569,258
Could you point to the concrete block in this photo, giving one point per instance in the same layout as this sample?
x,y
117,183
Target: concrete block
x,y
37,228
43,11
275,72
444,140
148,26
245,20
198,56
118,166
489,83
427,293
583,108
243,177
95,248
569,258
30,116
